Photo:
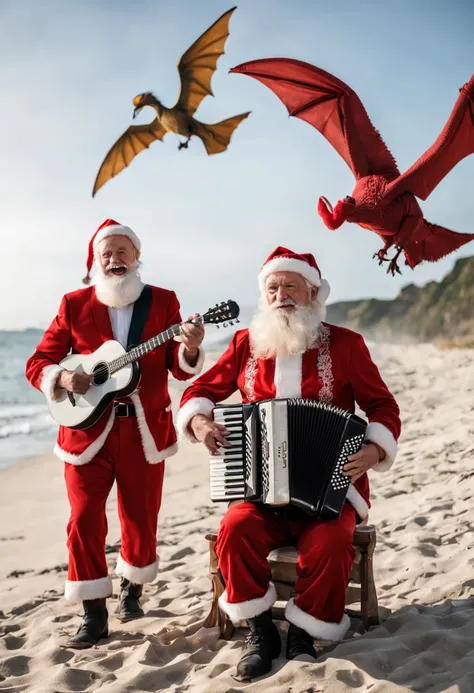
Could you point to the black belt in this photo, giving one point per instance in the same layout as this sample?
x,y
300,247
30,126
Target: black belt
x,y
124,409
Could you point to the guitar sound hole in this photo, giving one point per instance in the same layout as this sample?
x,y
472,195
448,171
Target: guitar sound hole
x,y
101,373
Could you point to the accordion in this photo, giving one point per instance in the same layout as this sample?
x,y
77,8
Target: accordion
x,y
286,452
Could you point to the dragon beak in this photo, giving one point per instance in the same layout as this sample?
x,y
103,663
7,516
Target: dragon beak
x,y
328,204
136,111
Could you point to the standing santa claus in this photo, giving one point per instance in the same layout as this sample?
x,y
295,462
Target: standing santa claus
x,y
134,436
289,351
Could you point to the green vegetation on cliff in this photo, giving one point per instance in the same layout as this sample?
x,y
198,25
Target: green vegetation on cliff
x,y
437,311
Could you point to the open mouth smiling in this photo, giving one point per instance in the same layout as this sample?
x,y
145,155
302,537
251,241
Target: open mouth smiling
x,y
118,271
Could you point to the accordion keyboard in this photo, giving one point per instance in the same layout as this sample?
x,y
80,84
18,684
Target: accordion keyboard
x,y
227,467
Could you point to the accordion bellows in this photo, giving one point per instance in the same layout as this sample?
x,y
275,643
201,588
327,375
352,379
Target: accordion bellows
x,y
286,452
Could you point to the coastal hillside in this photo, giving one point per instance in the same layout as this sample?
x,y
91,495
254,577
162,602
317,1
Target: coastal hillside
x,y
439,311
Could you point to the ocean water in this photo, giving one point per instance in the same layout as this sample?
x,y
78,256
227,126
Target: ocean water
x,y
26,428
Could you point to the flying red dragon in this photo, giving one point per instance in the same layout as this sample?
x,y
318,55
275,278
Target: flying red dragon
x,y
383,200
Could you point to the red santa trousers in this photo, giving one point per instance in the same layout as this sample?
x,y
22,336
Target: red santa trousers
x,y
247,535
139,488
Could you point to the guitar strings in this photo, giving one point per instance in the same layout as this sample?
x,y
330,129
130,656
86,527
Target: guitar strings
x,y
105,370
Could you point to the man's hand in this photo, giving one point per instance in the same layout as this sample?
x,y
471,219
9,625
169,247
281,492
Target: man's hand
x,y
209,432
75,382
368,456
191,338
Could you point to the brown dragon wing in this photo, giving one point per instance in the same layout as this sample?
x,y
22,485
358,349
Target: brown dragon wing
x,y
199,63
133,141
455,142
330,106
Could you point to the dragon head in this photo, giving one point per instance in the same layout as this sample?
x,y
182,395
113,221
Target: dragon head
x,y
334,218
145,99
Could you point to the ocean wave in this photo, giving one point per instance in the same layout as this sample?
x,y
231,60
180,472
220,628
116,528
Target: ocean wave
x,y
25,420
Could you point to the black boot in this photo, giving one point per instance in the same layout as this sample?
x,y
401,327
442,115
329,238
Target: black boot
x,y
94,625
299,644
262,645
129,608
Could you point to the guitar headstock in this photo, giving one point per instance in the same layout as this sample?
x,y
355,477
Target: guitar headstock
x,y
225,312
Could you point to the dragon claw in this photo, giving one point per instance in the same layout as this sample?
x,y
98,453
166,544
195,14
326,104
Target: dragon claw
x,y
393,267
381,256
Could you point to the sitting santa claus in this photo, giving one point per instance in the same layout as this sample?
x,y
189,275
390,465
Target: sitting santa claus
x,y
289,351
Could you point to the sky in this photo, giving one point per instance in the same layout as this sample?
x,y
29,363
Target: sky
x,y
69,72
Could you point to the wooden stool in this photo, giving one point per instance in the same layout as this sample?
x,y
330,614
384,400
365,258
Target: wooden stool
x,y
361,588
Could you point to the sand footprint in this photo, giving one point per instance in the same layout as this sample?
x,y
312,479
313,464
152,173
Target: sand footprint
x,y
62,618
170,566
62,656
111,662
28,606
421,520
16,666
351,678
218,669
182,553
14,643
427,549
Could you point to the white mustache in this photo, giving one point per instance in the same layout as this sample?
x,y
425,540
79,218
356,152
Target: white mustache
x,y
288,302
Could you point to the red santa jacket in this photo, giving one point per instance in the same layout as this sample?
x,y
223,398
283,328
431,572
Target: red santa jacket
x,y
339,370
81,326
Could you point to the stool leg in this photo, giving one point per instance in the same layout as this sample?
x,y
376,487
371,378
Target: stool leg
x,y
212,619
216,616
368,599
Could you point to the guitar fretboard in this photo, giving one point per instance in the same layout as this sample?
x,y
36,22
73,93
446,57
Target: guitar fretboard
x,y
143,349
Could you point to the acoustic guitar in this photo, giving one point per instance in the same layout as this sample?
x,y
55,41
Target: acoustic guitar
x,y
116,371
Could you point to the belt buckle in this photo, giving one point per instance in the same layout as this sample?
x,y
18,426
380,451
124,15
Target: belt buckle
x,y
121,409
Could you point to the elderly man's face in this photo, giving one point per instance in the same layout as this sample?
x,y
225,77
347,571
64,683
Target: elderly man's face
x,y
117,255
284,290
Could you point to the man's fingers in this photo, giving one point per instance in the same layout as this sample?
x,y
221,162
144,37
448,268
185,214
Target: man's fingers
x,y
356,476
215,440
353,465
356,456
82,378
222,439
351,471
222,428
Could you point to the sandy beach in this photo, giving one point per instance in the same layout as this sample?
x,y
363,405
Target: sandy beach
x,y
424,568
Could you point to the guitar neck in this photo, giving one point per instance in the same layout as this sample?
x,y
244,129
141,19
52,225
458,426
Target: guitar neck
x,y
135,353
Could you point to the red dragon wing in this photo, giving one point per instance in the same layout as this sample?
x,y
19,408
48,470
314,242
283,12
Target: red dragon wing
x,y
454,143
433,242
331,107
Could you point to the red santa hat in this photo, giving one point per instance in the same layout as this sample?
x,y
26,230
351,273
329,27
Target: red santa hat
x,y
108,228
285,260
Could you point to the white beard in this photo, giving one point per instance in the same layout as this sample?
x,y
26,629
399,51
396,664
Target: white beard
x,y
276,332
118,292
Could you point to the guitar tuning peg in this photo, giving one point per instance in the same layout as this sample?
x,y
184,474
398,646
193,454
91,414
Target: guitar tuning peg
x,y
231,323
217,326
225,324
237,320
